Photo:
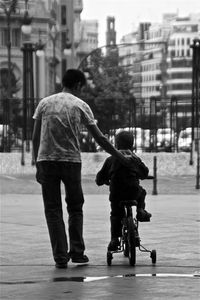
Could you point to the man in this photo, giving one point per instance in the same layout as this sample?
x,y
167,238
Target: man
x,y
58,121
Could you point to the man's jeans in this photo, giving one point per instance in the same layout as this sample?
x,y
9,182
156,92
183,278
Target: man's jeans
x,y
50,174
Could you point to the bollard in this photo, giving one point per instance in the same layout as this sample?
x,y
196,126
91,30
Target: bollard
x,y
198,166
154,192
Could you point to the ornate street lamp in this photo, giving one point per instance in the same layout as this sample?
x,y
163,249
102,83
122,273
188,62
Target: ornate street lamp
x,y
54,36
28,84
195,107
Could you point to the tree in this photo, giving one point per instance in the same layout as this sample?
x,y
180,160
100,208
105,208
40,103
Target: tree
x,y
109,88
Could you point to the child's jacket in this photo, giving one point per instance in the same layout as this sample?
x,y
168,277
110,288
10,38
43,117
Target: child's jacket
x,y
123,181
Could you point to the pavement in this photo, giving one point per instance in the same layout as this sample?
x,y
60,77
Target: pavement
x,y
27,267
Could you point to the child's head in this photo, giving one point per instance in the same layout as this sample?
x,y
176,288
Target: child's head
x,y
124,140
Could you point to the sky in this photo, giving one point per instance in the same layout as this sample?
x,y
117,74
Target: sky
x,y
128,13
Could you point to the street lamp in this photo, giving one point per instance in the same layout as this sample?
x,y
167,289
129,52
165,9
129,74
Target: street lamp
x,y
54,37
8,8
28,85
195,106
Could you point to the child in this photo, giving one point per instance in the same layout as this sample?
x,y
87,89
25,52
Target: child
x,y
124,185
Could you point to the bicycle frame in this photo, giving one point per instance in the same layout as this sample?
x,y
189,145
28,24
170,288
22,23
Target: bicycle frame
x,y
130,237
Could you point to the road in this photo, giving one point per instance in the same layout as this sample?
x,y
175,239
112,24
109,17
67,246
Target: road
x,y
27,268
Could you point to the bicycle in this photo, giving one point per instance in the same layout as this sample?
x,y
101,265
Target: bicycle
x,y
130,238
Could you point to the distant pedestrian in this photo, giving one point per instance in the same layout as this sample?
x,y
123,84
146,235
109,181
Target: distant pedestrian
x,y
57,128
124,185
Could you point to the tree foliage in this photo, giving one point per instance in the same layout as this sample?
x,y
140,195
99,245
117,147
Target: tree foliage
x,y
109,88
8,6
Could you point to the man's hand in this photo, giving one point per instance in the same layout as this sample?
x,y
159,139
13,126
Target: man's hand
x,y
38,174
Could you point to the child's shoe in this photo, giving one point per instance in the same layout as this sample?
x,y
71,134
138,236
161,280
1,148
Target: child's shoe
x,y
143,215
114,244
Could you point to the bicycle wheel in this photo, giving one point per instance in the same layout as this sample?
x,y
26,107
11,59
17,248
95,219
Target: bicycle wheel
x,y
125,242
153,256
131,242
109,258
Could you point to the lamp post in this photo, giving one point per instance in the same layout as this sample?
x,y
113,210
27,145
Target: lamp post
x,y
8,8
153,124
54,36
40,68
28,86
195,107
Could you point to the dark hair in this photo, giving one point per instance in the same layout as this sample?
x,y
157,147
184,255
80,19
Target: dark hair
x,y
73,78
124,140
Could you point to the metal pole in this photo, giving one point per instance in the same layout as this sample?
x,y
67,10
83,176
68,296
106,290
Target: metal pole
x,y
193,101
154,192
9,93
171,121
197,116
54,63
198,166
28,94
24,49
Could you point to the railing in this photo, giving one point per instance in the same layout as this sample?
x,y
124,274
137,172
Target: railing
x,y
16,123
155,128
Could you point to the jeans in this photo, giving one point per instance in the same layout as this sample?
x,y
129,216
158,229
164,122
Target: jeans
x,y
50,174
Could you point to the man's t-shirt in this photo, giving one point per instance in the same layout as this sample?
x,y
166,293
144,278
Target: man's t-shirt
x,y
62,116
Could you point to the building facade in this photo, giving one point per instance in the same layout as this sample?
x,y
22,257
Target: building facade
x,y
88,39
61,15
160,61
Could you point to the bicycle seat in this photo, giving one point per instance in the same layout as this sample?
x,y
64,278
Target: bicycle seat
x,y
128,203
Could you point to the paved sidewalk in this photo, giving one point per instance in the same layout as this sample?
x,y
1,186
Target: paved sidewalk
x,y
28,272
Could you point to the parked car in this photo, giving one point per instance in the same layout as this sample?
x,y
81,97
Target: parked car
x,y
165,139
185,139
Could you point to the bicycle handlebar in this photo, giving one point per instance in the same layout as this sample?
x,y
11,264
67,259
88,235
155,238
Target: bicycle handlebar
x,y
150,177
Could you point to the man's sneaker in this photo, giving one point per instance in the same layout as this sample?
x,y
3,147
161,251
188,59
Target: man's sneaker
x,y
80,259
114,244
143,215
61,265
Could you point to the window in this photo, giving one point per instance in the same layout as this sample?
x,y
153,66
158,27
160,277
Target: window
x,y
180,75
194,28
16,37
172,53
180,86
63,15
63,40
3,37
64,66
181,63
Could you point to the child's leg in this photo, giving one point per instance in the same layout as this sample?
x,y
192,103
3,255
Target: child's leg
x,y
116,216
141,198
142,214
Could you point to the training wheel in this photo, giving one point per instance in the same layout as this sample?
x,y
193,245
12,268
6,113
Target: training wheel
x,y
109,258
153,256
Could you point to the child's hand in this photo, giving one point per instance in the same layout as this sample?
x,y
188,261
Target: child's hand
x,y
101,182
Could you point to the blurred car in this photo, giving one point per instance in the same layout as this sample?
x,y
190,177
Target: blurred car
x,y
185,139
165,139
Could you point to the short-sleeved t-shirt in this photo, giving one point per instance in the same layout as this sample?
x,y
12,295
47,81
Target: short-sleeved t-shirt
x,y
62,116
